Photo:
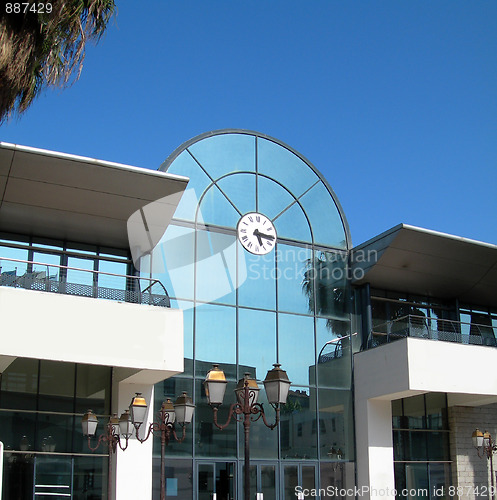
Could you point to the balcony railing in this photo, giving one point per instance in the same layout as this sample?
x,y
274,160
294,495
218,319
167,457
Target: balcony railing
x,y
434,329
53,278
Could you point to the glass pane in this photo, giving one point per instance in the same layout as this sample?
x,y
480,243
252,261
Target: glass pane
x,y
414,411
440,480
417,481
256,279
336,424
225,153
296,347
54,433
291,481
268,482
281,164
256,329
216,267
263,441
178,475
205,481
240,189
93,388
293,224
171,388
298,426
215,339
330,274
78,276
53,476
327,225
17,430
308,478
90,477
438,446
225,480
295,285
436,411
216,209
11,268
110,280
334,356
410,445
272,197
20,384
397,414
56,386
185,165
173,262
211,441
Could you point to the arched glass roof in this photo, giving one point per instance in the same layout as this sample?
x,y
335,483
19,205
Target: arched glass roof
x,y
233,172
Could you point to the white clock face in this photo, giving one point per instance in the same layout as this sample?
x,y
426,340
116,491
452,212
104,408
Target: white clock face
x,y
256,233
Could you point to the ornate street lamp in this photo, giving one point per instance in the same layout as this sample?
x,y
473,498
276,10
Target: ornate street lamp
x,y
247,409
482,441
130,422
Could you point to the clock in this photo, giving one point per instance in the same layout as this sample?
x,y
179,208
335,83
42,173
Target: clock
x,y
256,233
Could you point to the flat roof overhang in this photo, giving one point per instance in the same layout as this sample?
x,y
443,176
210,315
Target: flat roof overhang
x,y
78,199
423,262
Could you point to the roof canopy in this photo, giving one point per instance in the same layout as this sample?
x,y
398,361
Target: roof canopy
x,y
79,199
423,262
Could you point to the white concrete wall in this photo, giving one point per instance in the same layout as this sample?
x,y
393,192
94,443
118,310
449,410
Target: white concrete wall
x,y
405,368
44,325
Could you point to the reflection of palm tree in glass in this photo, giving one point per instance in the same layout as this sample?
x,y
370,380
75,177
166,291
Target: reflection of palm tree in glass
x,y
324,286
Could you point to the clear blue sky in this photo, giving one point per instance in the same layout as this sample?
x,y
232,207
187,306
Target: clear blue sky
x,y
394,101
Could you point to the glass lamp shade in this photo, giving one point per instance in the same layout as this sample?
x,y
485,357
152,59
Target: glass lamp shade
x,y
253,390
89,423
277,385
184,409
215,385
477,438
167,413
138,409
125,424
114,424
487,439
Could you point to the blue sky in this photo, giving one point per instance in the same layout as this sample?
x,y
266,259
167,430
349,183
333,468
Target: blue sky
x,y
394,101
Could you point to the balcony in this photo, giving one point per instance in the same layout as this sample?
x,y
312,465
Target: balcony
x,y
433,329
49,312
82,282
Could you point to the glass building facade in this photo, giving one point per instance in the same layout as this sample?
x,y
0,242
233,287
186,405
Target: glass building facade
x,y
245,311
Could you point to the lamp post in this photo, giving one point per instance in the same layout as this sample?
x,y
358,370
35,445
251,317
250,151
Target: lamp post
x,y
483,442
180,412
246,409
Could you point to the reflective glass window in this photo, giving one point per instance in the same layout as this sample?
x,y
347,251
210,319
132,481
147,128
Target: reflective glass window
x,y
11,270
281,164
298,420
240,188
256,329
80,274
215,340
295,283
20,384
336,424
56,386
215,267
327,225
93,388
210,441
116,279
292,224
224,153
173,262
215,208
89,478
296,347
256,280
178,474
185,165
272,198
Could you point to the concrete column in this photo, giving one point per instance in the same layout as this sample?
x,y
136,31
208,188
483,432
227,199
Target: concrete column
x,y
132,469
374,442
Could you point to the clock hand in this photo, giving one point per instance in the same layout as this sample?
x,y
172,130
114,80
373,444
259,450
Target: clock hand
x,y
267,236
256,233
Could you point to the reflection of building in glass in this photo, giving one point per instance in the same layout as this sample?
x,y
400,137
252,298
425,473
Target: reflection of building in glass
x,y
384,343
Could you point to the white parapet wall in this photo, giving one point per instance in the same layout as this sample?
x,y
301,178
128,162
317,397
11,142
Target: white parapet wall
x,y
144,342
405,368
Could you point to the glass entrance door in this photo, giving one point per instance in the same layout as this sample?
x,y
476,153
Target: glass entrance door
x,y
216,481
263,479
302,475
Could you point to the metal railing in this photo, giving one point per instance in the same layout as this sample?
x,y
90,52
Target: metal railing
x,y
66,280
445,330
